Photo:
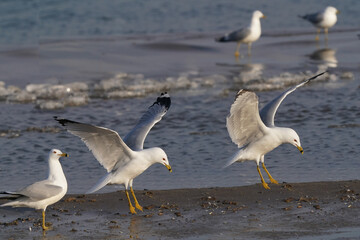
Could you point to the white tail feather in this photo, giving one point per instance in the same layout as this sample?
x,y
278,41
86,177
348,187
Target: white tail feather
x,y
101,183
235,158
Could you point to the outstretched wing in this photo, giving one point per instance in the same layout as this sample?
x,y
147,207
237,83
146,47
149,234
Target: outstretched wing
x,y
268,112
136,137
106,145
243,123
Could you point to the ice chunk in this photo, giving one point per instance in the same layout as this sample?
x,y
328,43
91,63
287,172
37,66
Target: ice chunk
x,y
21,97
49,104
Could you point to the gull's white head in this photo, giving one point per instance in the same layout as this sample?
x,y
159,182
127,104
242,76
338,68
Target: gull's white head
x,y
293,138
258,14
55,154
160,156
331,10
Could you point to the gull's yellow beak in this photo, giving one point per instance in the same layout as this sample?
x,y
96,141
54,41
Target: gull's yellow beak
x,y
168,167
337,11
64,155
263,16
300,149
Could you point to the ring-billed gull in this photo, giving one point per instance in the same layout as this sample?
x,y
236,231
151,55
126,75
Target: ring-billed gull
x,y
125,159
324,19
41,194
256,134
245,35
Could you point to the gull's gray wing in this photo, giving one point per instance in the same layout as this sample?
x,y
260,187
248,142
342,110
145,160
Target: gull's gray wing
x,y
268,112
39,191
235,36
136,137
106,145
243,123
314,18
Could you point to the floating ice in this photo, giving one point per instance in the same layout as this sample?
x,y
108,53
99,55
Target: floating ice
x,y
22,97
282,81
347,75
49,104
123,85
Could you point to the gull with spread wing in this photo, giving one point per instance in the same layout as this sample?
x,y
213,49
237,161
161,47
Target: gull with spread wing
x,y
41,194
125,159
256,134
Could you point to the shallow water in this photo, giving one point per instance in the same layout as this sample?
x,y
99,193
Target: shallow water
x,y
109,79
27,22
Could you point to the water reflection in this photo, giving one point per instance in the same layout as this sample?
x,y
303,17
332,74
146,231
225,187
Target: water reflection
x,y
249,72
134,230
325,58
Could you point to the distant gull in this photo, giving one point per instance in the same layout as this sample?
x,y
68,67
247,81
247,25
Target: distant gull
x,y
245,35
41,194
125,159
256,134
324,19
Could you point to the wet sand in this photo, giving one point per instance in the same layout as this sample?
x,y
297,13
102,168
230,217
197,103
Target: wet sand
x,y
316,210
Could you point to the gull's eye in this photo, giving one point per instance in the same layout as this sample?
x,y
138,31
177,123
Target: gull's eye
x,y
54,151
295,140
164,159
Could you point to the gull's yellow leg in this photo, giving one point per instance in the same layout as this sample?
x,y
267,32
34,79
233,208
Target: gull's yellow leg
x,y
137,205
270,177
265,185
132,209
237,54
317,34
43,221
249,49
326,33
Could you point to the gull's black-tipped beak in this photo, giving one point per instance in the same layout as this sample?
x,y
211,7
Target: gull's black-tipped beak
x,y
300,149
168,167
64,155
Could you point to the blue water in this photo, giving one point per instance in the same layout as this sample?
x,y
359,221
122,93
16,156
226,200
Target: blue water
x,y
123,47
27,22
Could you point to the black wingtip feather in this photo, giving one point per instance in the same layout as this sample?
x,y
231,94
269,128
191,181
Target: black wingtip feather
x,y
316,76
164,100
220,39
63,122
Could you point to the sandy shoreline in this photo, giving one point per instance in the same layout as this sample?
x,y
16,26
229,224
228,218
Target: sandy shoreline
x,y
292,210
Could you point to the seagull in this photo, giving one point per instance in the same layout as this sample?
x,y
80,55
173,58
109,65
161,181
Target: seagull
x,y
324,19
125,159
256,134
245,35
41,194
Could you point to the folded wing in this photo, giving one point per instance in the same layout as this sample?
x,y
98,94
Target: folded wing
x,y
40,190
238,35
37,191
314,18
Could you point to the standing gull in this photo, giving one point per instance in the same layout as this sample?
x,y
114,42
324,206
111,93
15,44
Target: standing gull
x,y
125,159
41,194
256,134
245,35
324,19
